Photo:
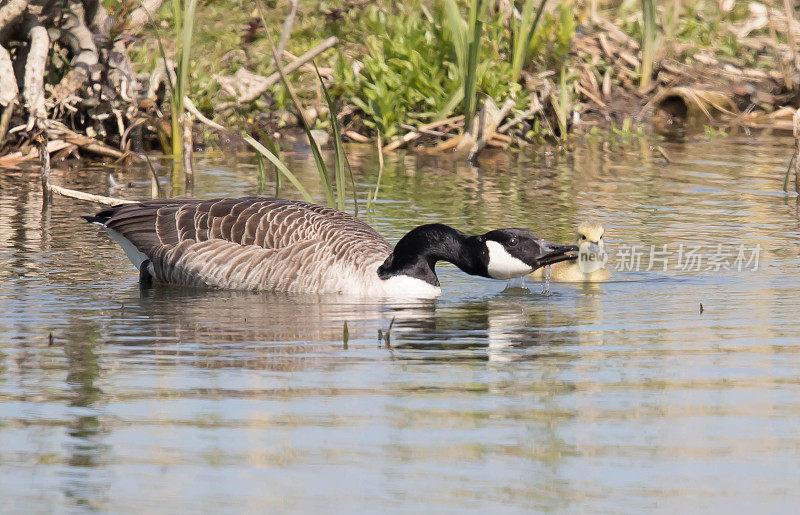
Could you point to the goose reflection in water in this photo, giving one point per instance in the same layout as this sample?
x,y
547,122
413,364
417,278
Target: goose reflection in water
x,y
215,329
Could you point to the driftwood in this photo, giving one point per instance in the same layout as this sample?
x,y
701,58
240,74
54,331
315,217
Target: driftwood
x,y
14,158
247,86
355,136
44,149
59,130
33,86
794,164
100,81
485,125
48,189
142,15
411,136
691,106
189,105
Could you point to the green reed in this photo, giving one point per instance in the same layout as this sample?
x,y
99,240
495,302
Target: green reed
x,y
524,30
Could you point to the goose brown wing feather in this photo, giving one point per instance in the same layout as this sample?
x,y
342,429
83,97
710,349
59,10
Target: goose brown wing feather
x,y
250,243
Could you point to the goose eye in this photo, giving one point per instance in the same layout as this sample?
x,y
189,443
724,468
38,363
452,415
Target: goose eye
x,y
511,242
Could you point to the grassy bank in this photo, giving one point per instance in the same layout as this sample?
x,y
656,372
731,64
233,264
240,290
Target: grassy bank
x,y
400,65
535,71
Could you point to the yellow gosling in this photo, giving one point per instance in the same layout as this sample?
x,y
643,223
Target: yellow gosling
x,y
589,238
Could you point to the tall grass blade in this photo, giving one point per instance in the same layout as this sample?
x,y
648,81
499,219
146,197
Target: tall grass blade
x,y
649,42
474,32
322,169
526,29
466,44
338,150
458,29
279,166
186,47
184,26
156,186
452,103
373,196
261,174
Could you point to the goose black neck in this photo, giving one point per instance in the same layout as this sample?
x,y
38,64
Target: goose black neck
x,y
416,254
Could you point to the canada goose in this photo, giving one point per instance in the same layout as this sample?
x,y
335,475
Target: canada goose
x,y
266,244
589,238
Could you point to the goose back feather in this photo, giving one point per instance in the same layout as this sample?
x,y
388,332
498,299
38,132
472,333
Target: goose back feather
x,y
250,243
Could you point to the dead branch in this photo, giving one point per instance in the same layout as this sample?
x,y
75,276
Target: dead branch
x,y
289,68
287,27
14,158
5,120
8,82
189,105
33,88
85,142
591,96
98,199
323,70
490,118
429,132
44,166
795,163
10,12
80,39
142,15
353,135
536,106
186,140
411,136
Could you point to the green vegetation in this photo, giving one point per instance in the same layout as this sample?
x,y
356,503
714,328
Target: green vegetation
x,y
335,197
275,160
372,196
183,18
649,40
400,64
524,31
466,38
402,70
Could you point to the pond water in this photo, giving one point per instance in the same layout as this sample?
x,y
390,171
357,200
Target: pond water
x,y
619,396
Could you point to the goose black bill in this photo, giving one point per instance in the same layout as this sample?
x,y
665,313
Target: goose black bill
x,y
552,253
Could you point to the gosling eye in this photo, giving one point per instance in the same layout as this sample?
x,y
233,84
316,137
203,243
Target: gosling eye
x,y
512,242
583,237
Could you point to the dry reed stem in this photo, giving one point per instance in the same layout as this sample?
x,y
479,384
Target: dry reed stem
x,y
411,136
788,6
289,68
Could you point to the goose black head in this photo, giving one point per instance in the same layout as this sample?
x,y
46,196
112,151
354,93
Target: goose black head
x,y
499,254
517,252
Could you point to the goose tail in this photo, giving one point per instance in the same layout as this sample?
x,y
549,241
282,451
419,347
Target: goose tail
x,y
102,217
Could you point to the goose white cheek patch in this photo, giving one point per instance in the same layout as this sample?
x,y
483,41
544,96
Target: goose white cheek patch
x,y
503,265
